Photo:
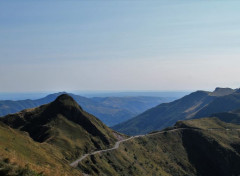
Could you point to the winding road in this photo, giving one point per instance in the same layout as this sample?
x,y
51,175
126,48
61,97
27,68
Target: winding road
x,y
116,146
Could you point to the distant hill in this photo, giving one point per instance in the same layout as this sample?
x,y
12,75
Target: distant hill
x,y
196,105
111,110
203,147
131,104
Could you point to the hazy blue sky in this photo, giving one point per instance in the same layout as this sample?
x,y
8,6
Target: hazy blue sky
x,y
67,45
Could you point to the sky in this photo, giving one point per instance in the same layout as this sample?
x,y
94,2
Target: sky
x,y
65,45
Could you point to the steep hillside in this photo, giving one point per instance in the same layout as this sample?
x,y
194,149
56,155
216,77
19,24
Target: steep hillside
x,y
196,105
111,110
203,147
21,155
65,125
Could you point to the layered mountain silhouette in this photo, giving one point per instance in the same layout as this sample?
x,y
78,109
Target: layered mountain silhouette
x,y
111,110
196,105
46,139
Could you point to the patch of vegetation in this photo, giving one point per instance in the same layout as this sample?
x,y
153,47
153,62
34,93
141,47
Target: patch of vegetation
x,y
25,156
9,169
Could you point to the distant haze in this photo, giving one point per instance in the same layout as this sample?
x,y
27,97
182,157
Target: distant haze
x,y
119,45
37,95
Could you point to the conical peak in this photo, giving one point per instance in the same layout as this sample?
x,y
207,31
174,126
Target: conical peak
x,y
64,97
66,100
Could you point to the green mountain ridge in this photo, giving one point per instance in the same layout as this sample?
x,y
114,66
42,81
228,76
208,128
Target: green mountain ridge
x,y
63,123
203,147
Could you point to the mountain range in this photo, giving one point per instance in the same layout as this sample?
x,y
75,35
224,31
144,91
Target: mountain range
x,y
46,140
111,110
195,105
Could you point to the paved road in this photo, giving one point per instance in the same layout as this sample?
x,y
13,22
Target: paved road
x,y
116,146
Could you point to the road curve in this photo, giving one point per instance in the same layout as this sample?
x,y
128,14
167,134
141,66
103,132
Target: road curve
x,y
116,146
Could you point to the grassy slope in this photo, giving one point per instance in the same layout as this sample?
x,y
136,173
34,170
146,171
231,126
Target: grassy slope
x,y
22,152
190,151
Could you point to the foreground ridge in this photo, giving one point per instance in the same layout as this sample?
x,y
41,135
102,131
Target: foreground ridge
x,y
117,144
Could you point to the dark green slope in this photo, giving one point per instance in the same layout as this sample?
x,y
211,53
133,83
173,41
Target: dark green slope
x,y
196,105
65,124
229,117
203,147
220,104
111,110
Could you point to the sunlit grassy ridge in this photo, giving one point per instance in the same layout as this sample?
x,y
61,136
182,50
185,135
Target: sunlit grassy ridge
x,y
198,147
17,147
